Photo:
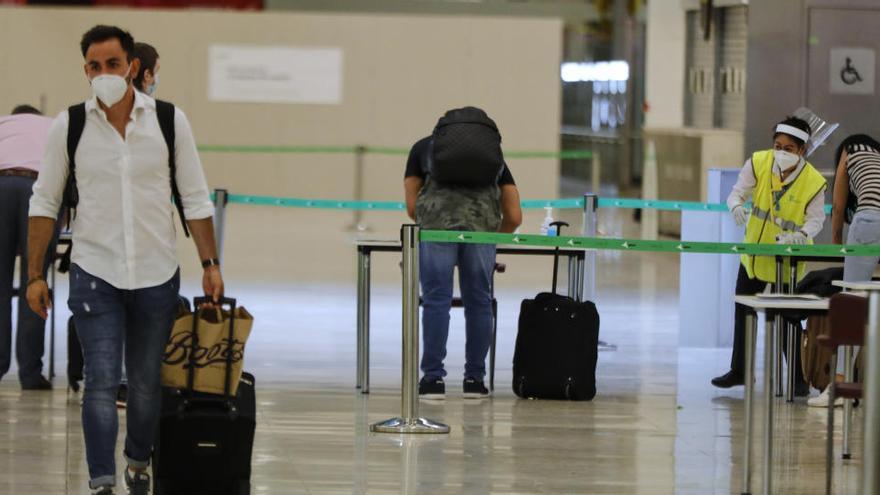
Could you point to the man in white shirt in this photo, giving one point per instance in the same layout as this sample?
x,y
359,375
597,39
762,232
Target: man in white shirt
x,y
124,277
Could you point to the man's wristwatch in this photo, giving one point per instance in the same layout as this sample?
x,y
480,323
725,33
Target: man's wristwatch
x,y
210,262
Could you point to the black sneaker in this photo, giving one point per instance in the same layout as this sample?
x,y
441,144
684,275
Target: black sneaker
x,y
41,384
475,389
138,483
122,396
432,389
728,380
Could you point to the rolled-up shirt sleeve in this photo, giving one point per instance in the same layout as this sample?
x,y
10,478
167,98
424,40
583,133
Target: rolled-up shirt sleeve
x,y
745,185
191,181
815,215
49,187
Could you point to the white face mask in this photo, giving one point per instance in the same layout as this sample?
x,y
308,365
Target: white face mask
x,y
786,160
110,88
151,89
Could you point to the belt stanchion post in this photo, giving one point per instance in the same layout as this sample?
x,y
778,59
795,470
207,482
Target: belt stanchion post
x,y
587,279
357,222
363,321
871,462
409,421
793,336
595,173
221,199
768,409
751,331
777,330
847,404
587,271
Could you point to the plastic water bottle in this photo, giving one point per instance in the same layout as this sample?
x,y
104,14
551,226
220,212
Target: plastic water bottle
x,y
546,228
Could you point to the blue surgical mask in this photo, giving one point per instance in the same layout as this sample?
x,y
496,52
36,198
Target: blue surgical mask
x,y
151,89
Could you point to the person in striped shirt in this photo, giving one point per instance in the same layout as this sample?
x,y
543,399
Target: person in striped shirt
x,y
856,201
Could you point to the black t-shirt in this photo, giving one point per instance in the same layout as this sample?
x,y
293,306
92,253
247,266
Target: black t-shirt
x,y
417,156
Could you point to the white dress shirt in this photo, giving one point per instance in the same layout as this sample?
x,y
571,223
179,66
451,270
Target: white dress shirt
x,y
124,231
745,186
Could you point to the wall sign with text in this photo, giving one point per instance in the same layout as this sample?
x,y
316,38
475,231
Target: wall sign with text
x,y
274,74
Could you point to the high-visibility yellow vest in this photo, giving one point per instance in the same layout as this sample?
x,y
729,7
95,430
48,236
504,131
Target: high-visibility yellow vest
x,y
777,208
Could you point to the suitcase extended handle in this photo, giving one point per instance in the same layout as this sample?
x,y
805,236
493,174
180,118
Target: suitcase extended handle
x,y
198,302
558,224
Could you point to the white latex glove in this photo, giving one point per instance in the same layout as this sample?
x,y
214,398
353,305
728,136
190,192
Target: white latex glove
x,y
739,215
796,238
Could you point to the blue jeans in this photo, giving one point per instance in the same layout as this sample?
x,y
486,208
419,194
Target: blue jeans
x,y
864,230
107,321
476,266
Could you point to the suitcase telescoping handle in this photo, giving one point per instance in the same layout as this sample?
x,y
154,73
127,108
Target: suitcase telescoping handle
x,y
198,302
558,226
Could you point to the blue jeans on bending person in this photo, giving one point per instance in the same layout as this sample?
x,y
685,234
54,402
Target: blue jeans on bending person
x,y
864,230
109,320
476,267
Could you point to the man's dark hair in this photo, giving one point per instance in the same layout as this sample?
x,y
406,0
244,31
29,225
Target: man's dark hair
x,y
25,109
101,33
797,124
148,57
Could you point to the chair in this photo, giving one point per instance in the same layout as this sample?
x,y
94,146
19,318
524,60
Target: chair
x,y
849,316
458,303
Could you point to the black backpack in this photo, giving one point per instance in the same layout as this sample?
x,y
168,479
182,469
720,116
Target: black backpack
x,y
466,149
77,118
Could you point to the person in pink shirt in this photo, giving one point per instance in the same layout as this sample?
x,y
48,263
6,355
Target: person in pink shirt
x,y
23,137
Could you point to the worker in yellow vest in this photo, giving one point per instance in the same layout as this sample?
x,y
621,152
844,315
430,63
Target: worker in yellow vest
x,y
788,207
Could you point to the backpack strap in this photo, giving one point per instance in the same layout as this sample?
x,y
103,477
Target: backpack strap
x,y
165,114
76,124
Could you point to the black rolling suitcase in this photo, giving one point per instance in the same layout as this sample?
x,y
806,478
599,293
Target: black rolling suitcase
x,y
556,346
205,441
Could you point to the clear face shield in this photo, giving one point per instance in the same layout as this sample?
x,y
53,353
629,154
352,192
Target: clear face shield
x,y
822,130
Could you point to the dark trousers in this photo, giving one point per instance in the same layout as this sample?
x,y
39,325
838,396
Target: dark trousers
x,y
746,286
15,193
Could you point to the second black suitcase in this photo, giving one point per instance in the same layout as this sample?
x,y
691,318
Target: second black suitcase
x,y
556,346
205,441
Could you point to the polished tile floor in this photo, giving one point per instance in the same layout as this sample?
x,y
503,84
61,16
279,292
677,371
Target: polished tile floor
x,y
656,426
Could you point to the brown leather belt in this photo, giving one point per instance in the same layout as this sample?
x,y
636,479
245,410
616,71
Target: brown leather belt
x,y
18,172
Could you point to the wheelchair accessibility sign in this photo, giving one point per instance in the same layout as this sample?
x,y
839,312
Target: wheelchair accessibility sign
x,y
852,71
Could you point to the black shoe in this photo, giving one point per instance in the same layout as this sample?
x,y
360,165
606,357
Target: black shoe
x,y
475,389
122,396
138,484
41,384
801,389
432,389
728,380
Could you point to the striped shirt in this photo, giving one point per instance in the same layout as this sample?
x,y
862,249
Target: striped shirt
x,y
863,168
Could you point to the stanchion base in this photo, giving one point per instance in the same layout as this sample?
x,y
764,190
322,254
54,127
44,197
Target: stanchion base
x,y
416,425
